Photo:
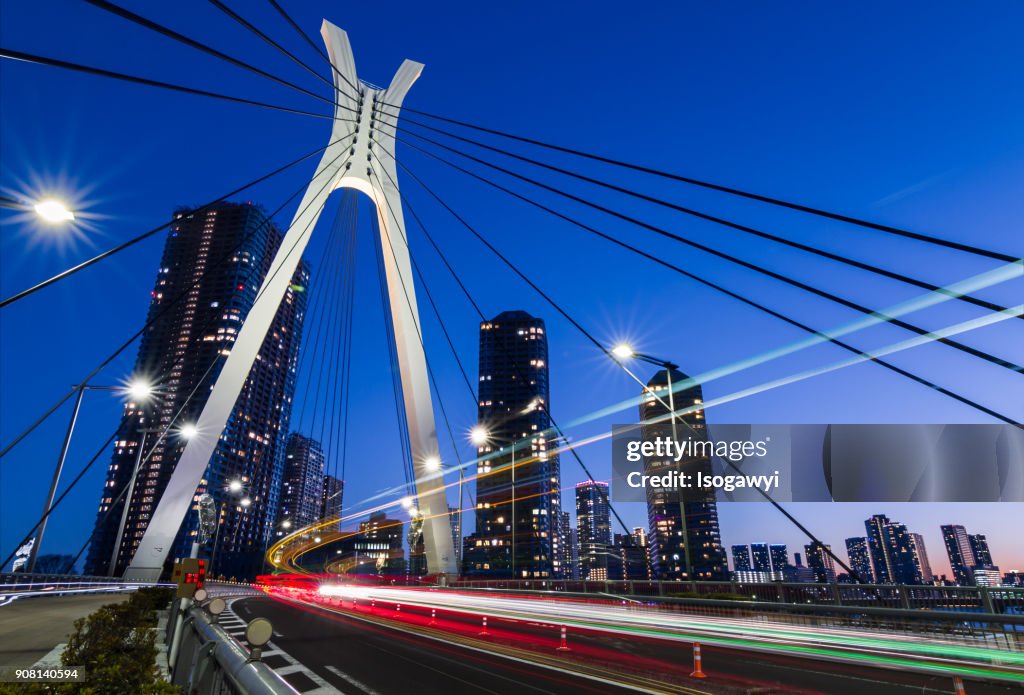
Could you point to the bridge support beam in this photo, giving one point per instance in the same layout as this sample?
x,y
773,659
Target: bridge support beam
x,y
359,157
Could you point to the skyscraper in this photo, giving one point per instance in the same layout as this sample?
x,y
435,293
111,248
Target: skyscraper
x,y
594,527
961,553
779,555
517,490
819,559
685,538
302,490
741,558
893,552
211,270
564,567
455,519
922,568
860,558
761,557
982,555
332,496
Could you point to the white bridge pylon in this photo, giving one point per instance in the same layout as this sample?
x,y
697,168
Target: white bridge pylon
x,y
359,158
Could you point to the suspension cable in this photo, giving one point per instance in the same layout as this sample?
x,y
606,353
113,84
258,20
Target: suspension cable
x,y
1006,364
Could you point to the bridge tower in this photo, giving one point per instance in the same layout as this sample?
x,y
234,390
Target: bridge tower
x,y
359,157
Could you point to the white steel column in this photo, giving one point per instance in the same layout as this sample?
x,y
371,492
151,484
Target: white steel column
x,y
347,163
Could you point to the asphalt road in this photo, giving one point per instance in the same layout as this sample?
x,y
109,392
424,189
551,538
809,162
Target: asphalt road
x,y
30,628
388,660
361,658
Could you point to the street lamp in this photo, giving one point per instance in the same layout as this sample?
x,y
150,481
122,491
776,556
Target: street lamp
x,y
236,487
624,351
50,210
481,437
188,431
80,393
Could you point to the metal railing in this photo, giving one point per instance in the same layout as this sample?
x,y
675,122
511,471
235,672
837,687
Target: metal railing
x,y
206,659
960,599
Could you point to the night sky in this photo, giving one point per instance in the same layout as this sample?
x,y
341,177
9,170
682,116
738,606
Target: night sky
x,y
907,115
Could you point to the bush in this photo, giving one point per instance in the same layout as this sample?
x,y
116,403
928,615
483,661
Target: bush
x,y
117,648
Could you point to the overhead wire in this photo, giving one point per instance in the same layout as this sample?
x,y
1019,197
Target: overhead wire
x,y
974,352
750,302
991,306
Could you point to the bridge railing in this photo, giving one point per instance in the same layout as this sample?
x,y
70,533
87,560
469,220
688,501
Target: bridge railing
x,y
203,658
970,599
24,583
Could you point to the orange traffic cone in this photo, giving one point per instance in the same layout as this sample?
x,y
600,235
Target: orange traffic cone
x,y
958,686
563,645
697,671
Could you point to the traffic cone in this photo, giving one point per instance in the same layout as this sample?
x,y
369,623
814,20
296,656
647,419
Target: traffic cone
x,y
563,644
697,671
958,686
484,632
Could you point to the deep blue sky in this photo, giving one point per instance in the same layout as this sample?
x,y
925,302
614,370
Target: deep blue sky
x,y
905,114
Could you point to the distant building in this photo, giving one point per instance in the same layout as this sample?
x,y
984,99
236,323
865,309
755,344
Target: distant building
x,y
961,553
628,558
979,544
455,519
565,564
922,568
987,576
381,541
332,494
302,489
762,558
860,558
779,556
741,558
215,261
798,572
1013,578
685,537
819,559
895,555
594,527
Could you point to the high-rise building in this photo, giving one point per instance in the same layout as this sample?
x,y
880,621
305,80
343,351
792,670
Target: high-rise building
x,y
594,526
762,558
213,264
893,553
455,520
331,497
302,490
779,556
518,475
562,547
922,568
982,555
741,558
819,559
574,553
961,553
685,538
860,558
628,559
881,558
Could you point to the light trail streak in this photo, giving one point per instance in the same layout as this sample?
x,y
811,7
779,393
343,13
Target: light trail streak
x,y
888,650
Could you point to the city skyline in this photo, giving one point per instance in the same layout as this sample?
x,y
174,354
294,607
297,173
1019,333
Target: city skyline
x,y
940,179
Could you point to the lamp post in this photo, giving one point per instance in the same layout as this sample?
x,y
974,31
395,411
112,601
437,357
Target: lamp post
x,y
49,209
625,352
480,436
139,390
234,487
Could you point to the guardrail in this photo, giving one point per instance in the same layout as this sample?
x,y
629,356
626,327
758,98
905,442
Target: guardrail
x,y
995,599
203,658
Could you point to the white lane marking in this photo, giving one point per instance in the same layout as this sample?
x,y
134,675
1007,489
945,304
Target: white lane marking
x,y
294,666
350,680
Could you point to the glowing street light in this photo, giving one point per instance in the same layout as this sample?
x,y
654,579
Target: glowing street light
x,y
139,390
623,351
187,431
413,512
53,211
235,485
407,502
245,501
287,523
432,463
479,435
